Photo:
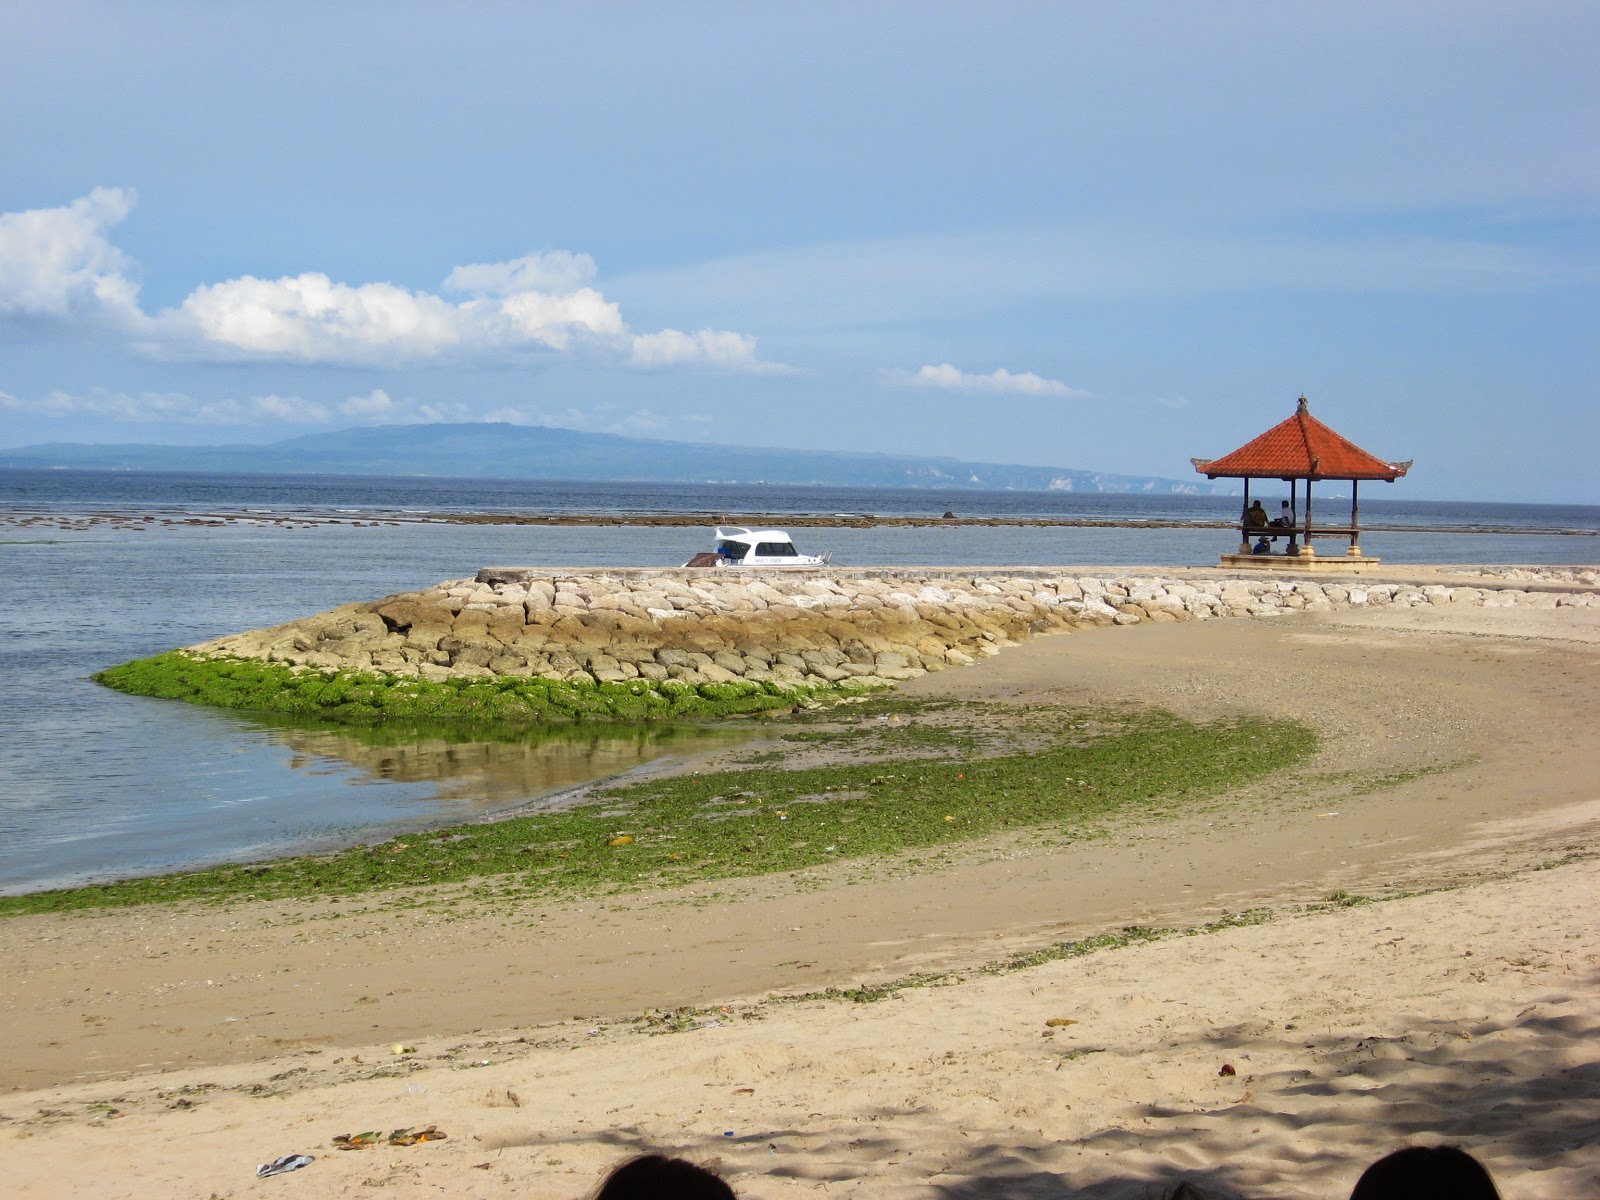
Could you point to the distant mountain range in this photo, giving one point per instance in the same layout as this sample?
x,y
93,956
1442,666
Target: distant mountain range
x,y
500,451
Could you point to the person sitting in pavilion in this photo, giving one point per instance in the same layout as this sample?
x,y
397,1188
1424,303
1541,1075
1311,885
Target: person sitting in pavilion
x,y
1285,520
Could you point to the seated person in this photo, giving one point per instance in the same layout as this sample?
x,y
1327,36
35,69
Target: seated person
x,y
1261,547
1426,1173
1255,517
656,1177
1285,517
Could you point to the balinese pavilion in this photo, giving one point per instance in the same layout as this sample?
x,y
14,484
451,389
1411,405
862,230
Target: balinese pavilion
x,y
1300,448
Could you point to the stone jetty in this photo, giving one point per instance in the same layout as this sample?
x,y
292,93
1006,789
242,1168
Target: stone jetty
x,y
836,626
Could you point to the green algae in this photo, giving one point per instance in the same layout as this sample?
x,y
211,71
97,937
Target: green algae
x,y
741,823
249,684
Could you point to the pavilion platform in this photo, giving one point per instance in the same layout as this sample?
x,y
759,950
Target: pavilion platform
x,y
1347,564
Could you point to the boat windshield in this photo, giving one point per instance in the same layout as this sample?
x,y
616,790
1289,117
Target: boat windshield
x,y
777,549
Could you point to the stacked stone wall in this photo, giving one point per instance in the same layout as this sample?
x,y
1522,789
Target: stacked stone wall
x,y
872,627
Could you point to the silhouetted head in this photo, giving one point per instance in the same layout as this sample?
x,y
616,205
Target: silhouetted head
x,y
656,1177
1426,1173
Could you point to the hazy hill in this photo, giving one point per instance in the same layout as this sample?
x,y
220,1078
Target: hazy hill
x,y
500,451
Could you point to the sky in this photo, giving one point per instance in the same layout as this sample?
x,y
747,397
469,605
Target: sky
x,y
1102,236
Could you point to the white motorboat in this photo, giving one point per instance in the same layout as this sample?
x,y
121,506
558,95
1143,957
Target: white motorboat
x,y
741,547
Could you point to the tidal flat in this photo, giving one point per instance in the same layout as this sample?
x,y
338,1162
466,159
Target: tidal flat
x,y
867,780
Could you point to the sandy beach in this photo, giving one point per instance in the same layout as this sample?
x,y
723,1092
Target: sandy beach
x,y
1451,994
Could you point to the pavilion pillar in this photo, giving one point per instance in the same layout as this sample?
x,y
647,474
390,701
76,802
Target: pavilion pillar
x,y
1355,519
1305,547
1244,538
1294,515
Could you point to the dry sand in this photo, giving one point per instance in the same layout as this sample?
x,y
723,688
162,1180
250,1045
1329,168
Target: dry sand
x,y
167,1052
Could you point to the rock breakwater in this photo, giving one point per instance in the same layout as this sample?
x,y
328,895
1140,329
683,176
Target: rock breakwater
x,y
838,628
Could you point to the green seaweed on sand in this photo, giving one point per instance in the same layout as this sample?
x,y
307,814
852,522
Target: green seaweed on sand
x,y
356,696
740,823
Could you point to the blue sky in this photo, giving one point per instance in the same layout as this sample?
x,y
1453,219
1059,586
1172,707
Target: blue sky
x,y
1082,235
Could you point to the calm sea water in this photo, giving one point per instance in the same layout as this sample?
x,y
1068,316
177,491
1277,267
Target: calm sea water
x,y
132,491
95,785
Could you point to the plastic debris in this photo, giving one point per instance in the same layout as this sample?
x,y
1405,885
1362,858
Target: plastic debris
x,y
289,1162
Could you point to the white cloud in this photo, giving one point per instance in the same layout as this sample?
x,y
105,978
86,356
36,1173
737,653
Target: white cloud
x,y
260,409
374,406
311,319
602,418
146,407
553,318
377,407
57,262
951,378
714,348
553,271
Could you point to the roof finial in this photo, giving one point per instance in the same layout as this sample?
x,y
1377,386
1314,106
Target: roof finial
x,y
1303,408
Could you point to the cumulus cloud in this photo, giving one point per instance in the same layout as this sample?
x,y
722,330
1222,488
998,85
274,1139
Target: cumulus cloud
x,y
312,319
553,318
58,263
952,378
309,318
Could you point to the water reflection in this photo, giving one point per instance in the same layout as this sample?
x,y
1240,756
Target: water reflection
x,y
484,769
220,787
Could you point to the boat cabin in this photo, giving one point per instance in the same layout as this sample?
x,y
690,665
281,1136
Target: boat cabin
x,y
741,547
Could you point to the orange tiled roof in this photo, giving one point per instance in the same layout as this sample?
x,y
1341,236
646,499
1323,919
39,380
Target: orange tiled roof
x,y
1300,448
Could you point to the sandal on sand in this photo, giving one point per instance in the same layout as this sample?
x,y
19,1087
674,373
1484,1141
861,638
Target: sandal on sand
x,y
410,1137
356,1141
289,1162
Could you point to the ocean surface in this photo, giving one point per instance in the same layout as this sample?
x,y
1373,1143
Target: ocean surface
x,y
97,785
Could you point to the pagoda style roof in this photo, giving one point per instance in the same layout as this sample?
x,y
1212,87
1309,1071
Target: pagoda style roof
x,y
1300,448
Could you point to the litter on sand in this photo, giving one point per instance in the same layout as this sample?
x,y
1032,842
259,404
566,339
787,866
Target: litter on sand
x,y
410,1137
289,1162
399,1137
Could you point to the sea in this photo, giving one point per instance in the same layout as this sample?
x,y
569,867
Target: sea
x,y
100,567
